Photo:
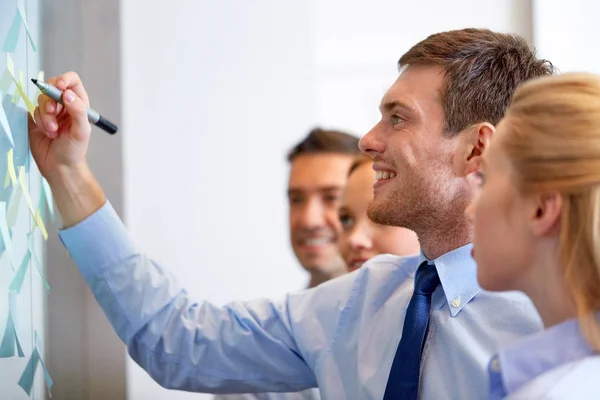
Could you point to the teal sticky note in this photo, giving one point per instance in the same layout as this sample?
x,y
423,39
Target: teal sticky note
x,y
26,380
47,193
12,37
36,261
5,234
24,21
28,375
19,277
4,123
10,340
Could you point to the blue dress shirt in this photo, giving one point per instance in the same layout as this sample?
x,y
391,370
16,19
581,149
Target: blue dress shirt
x,y
557,363
309,394
341,335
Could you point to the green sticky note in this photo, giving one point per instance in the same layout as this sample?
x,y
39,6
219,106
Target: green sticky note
x,y
12,37
5,234
10,340
36,261
4,123
19,277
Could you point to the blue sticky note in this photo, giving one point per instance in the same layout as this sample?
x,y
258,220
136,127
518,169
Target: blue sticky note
x,y
12,37
5,125
10,339
28,375
36,261
19,277
5,234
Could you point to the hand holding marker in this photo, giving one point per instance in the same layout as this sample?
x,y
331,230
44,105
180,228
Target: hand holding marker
x,y
93,116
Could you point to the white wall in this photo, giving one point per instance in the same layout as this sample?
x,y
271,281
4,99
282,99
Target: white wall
x,y
568,36
214,93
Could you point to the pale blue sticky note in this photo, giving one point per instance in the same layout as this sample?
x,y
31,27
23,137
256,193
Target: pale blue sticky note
x,y
24,21
4,123
47,195
13,207
28,375
11,338
12,37
36,261
5,81
5,234
19,277
26,380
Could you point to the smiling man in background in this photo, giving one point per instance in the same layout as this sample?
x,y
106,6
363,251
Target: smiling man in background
x,y
319,166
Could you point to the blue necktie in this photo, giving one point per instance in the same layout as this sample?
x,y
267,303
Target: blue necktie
x,y
403,382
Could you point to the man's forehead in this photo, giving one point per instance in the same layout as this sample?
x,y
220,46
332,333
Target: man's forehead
x,y
415,85
311,172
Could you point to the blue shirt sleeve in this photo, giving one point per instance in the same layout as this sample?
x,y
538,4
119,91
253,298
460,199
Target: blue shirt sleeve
x,y
183,344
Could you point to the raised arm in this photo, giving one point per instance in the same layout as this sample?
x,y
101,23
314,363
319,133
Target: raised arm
x,y
244,347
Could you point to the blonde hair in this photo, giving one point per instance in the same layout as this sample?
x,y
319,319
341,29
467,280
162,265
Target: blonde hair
x,y
553,141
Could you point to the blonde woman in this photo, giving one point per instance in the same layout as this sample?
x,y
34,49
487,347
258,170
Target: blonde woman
x,y
537,230
362,239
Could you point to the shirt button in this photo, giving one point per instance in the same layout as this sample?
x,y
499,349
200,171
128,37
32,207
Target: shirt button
x,y
495,365
456,302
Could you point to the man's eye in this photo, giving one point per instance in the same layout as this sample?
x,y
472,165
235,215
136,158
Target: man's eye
x,y
396,119
346,220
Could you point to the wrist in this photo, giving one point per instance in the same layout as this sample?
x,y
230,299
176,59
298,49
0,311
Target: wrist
x,y
76,192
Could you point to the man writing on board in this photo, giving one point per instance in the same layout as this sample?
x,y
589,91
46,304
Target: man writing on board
x,y
398,327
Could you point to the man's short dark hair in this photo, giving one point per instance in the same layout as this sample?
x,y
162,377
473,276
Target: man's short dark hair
x,y
325,141
483,70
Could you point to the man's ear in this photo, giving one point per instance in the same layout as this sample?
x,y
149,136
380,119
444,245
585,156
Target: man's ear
x,y
475,141
545,212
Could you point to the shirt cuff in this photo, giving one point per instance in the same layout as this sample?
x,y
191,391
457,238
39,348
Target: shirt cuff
x,y
98,240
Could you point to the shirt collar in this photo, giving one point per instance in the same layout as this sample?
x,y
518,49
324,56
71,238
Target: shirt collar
x,y
516,365
458,275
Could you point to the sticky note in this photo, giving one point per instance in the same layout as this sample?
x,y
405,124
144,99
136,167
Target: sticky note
x,y
17,282
13,207
12,37
39,222
10,340
28,375
36,261
40,77
21,89
23,184
24,21
11,166
4,123
47,196
5,234
5,81
10,66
